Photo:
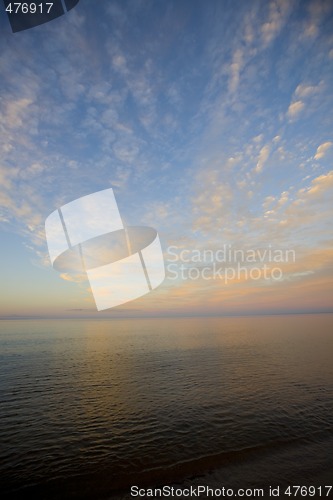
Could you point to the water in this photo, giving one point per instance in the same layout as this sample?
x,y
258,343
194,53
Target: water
x,y
89,407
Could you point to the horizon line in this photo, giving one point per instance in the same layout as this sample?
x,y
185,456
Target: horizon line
x,y
100,317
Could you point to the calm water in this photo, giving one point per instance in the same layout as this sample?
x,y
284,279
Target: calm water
x,y
90,407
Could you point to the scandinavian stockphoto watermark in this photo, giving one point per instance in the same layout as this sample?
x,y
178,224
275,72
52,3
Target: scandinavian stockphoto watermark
x,y
227,263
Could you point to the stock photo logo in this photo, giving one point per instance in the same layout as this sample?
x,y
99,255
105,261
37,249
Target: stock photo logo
x,y
88,237
26,15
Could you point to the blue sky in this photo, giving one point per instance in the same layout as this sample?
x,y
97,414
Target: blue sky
x,y
211,120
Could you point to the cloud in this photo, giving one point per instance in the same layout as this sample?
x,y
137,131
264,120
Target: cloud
x,y
263,156
318,10
279,203
320,185
268,201
305,95
212,202
78,278
295,108
283,199
322,149
284,218
235,69
15,112
310,211
303,91
279,11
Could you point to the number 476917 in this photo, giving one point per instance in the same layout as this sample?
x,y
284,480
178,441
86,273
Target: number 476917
x,y
310,491
29,8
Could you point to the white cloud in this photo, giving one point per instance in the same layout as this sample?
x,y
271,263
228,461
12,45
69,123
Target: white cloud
x,y
78,278
283,199
7,175
311,30
268,201
278,13
212,202
320,185
295,108
317,11
15,112
303,90
322,149
302,96
263,156
119,62
235,69
258,138
312,206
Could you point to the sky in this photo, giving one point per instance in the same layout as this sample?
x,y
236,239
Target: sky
x,y
211,121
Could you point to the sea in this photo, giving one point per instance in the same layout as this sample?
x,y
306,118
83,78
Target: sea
x,y
122,408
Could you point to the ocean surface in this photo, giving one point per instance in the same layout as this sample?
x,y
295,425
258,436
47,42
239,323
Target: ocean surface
x,y
90,407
